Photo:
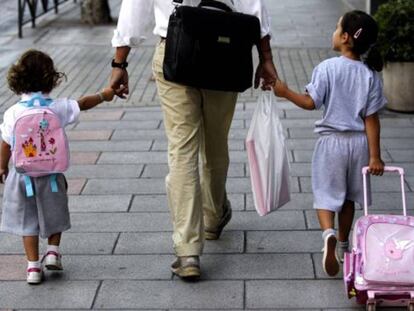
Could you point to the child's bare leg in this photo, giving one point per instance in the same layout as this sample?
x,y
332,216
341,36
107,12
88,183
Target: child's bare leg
x,y
326,219
34,266
329,262
345,219
54,239
31,246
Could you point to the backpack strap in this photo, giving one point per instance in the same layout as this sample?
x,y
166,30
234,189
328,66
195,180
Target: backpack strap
x,y
29,186
43,102
53,183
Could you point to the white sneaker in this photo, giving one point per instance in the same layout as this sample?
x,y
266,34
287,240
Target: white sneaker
x,y
341,249
34,275
52,261
329,262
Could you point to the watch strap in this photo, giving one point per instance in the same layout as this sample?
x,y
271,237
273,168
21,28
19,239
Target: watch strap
x,y
119,65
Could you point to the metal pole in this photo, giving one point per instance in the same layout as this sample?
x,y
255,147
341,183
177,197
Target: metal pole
x,y
20,19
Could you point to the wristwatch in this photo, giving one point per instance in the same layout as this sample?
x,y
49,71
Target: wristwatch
x,y
119,65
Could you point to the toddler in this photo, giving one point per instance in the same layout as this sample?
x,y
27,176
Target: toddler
x,y
349,89
45,212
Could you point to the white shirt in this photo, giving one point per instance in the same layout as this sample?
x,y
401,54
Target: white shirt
x,y
136,17
66,109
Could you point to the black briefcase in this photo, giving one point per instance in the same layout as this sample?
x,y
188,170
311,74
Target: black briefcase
x,y
211,48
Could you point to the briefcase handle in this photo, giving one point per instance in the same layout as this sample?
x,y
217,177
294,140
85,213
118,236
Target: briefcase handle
x,y
215,4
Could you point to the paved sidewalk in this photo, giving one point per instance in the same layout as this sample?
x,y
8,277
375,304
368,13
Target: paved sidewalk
x,y
118,252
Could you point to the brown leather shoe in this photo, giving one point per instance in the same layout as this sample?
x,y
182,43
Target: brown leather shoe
x,y
187,268
214,234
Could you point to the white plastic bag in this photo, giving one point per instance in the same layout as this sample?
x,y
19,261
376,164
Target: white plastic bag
x,y
268,159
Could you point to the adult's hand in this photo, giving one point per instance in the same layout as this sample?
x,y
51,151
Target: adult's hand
x,y
119,82
119,76
266,74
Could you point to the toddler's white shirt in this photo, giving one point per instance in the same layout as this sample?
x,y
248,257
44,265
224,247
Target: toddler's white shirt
x,y
66,109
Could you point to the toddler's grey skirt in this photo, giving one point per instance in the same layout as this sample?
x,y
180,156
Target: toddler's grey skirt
x,y
43,214
337,165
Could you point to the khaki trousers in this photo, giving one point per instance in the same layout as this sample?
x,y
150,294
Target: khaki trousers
x,y
197,123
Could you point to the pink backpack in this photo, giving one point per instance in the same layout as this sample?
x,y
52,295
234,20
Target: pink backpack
x,y
40,146
380,268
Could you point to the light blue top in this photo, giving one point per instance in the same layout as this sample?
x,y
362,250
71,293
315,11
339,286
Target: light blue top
x,y
348,90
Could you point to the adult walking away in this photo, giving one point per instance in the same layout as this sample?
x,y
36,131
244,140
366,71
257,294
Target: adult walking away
x,y
196,121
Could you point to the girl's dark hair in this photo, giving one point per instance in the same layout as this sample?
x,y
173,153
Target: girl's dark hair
x,y
33,72
363,30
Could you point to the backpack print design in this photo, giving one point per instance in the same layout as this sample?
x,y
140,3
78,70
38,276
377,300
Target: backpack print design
x,y
40,143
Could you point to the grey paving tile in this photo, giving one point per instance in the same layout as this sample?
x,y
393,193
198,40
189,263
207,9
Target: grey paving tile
x,y
397,143
103,171
402,155
72,243
132,157
120,222
299,201
283,241
50,295
113,267
137,135
163,294
125,186
301,143
257,266
108,146
149,203
410,182
284,294
95,309
280,220
99,203
241,309
303,114
103,125
161,243
141,115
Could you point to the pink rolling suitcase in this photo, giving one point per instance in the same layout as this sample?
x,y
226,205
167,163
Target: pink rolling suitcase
x,y
379,271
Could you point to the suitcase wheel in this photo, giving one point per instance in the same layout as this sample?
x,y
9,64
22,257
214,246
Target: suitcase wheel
x,y
371,306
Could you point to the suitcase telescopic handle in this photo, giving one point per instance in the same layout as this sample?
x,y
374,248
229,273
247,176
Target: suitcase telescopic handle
x,y
392,169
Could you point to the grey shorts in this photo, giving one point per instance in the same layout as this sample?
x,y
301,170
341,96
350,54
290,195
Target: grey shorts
x,y
43,214
337,163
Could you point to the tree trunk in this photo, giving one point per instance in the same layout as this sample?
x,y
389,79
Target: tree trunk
x,y
95,12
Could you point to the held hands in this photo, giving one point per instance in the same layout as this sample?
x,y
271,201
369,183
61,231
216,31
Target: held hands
x,y
119,82
108,94
265,73
376,166
3,174
280,88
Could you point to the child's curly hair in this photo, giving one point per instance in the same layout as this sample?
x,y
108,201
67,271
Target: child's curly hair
x,y
33,72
